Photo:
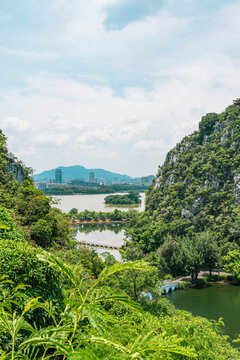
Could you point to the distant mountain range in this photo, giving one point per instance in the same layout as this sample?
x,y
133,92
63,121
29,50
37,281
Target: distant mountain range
x,y
80,172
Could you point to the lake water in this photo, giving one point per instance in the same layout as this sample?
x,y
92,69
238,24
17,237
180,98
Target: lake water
x,y
93,202
103,235
219,300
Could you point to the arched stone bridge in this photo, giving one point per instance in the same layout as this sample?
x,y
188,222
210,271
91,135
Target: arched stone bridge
x,y
166,287
169,286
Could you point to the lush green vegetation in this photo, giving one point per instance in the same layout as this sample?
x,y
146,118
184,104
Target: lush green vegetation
x,y
68,303
87,215
192,217
31,209
132,197
102,189
80,307
232,263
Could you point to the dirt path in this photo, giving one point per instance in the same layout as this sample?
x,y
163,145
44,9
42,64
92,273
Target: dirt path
x,y
202,274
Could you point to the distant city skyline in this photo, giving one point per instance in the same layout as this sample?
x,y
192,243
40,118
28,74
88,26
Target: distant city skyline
x,y
113,84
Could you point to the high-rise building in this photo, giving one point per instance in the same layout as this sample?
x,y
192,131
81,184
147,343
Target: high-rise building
x,y
58,176
91,177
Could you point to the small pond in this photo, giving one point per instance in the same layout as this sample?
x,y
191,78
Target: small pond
x,y
219,300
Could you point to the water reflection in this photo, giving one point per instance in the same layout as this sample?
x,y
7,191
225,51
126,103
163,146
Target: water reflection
x,y
100,235
113,227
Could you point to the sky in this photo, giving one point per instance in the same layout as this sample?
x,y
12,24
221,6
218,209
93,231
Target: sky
x,y
113,84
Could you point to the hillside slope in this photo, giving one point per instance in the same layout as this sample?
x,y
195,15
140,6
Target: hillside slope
x,y
80,172
200,178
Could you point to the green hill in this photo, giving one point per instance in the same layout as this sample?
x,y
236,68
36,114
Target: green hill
x,y
80,172
199,182
192,217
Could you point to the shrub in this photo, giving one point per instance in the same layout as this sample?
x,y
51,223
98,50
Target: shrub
x,y
41,232
19,263
200,283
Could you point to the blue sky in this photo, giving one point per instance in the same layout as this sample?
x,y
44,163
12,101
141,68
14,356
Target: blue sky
x,y
113,83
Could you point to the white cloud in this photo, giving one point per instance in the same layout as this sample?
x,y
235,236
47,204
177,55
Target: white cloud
x,y
106,154
152,145
54,139
32,54
14,123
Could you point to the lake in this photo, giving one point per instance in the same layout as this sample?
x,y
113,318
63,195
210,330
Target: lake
x,y
93,202
219,300
104,234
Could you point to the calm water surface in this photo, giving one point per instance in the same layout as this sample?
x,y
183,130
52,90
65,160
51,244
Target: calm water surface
x,y
112,236
105,234
93,202
101,235
219,300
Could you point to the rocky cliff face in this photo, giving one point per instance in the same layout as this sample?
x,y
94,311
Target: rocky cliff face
x,y
16,168
200,178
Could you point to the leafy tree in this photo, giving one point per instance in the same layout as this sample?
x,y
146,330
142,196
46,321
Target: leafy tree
x,y
232,263
207,123
41,232
73,212
194,253
237,102
84,257
207,244
132,197
173,257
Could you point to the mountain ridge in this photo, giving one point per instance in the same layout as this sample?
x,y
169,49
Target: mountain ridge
x,y
80,172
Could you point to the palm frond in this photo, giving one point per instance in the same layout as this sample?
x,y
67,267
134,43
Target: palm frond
x,y
63,267
117,267
83,354
101,340
123,299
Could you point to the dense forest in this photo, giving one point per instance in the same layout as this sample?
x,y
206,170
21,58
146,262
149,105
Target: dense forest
x,y
192,217
60,301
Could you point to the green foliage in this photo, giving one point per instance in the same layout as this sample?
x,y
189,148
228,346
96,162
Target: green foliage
x,y
89,328
83,257
88,215
198,182
207,123
232,263
192,207
102,189
7,227
42,233
31,204
173,257
132,197
19,262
